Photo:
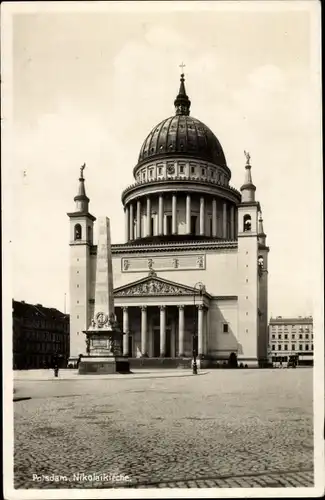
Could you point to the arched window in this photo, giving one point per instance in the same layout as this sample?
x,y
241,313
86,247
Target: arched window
x,y
77,232
89,233
260,261
247,222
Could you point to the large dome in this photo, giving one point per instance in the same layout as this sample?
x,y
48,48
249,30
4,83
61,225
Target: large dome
x,y
182,135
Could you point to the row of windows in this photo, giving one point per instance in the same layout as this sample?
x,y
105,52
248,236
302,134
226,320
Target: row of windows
x,y
43,324
293,347
39,335
193,170
45,347
293,329
292,336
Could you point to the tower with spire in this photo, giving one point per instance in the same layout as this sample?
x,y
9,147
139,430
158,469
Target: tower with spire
x,y
81,240
251,261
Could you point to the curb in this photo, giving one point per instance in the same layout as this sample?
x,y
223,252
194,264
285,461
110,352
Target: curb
x,y
81,378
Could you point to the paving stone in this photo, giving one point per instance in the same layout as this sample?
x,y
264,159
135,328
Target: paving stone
x,y
224,429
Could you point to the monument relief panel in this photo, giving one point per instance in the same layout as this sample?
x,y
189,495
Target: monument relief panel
x,y
163,263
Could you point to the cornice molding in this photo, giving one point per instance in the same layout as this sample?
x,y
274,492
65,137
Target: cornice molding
x,y
75,215
80,243
224,297
170,247
247,234
249,204
186,184
263,247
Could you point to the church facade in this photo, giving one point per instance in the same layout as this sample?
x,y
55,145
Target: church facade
x,y
193,270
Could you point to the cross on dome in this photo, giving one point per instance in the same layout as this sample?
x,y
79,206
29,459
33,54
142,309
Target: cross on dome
x,y
182,66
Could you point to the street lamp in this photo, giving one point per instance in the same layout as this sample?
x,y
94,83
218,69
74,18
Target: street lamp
x,y
201,289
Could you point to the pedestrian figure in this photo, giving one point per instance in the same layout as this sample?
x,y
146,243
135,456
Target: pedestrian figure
x,y
56,365
79,359
194,366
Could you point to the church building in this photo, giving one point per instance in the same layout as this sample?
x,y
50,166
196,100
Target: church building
x,y
192,272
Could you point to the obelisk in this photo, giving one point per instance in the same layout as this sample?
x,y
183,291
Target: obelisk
x,y
104,338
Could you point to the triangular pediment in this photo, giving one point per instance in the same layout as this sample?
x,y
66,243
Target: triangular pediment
x,y
152,285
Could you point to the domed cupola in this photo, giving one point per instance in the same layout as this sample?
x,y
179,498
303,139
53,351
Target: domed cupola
x,y
182,103
182,135
181,189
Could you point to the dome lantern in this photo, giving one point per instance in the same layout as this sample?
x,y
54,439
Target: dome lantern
x,y
182,102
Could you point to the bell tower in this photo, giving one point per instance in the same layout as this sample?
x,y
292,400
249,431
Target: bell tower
x,y
248,300
81,240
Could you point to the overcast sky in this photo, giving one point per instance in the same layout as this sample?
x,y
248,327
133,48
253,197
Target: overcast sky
x,y
89,87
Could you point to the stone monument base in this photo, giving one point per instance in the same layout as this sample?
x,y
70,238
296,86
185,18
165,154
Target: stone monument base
x,y
95,365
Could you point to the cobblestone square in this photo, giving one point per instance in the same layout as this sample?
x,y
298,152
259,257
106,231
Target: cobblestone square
x,y
222,428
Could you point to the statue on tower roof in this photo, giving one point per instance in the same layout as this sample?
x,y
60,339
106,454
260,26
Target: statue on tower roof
x,y
82,168
248,157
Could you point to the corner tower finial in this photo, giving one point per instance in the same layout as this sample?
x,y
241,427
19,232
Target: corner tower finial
x,y
82,168
81,199
248,189
182,103
248,157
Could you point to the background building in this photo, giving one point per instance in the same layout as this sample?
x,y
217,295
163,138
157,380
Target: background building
x,y
289,336
39,334
186,228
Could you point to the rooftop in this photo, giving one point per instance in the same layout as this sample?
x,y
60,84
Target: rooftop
x,y
282,320
26,310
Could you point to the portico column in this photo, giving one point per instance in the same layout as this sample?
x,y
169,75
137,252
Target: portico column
x,y
181,331
188,214
224,221
214,217
127,221
149,217
200,330
162,331
125,331
205,331
144,339
131,222
202,216
174,214
232,222
161,215
138,219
